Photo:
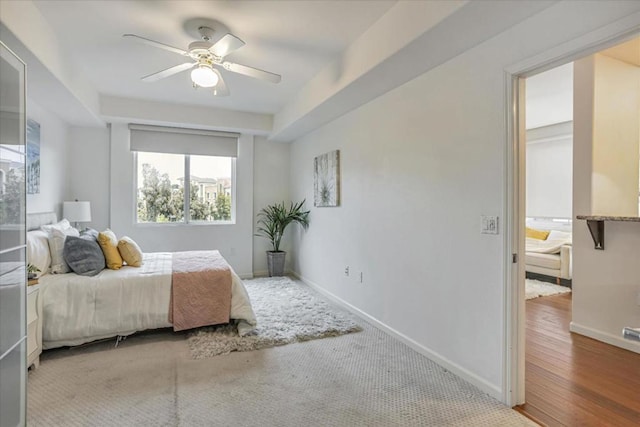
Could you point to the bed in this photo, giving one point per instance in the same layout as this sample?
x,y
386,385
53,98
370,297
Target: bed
x,y
548,249
80,309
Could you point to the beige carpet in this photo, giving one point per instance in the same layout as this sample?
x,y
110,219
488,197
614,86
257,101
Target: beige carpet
x,y
363,379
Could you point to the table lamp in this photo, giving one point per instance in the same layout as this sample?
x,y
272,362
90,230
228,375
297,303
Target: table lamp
x,y
77,212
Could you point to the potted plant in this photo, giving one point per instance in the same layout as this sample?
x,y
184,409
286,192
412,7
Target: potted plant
x,y
272,221
32,271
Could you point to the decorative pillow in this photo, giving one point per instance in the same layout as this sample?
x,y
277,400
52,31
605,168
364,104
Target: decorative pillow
x,y
537,234
38,251
109,245
90,232
83,254
60,225
560,235
130,251
56,247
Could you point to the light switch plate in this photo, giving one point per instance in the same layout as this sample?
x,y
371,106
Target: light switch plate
x,y
489,224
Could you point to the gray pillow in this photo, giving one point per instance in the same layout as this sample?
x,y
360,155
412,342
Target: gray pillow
x,y
83,254
90,232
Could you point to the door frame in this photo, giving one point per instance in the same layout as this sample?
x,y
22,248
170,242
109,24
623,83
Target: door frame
x,y
514,236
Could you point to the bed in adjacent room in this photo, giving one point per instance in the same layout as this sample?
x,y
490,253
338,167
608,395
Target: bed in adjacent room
x,y
548,250
117,302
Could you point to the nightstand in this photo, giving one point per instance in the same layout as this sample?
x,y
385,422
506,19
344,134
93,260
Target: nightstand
x,y
34,326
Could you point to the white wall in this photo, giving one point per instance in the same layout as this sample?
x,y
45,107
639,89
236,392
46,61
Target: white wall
x,y
54,161
420,165
549,97
549,177
616,126
605,283
89,172
235,241
91,156
53,77
270,185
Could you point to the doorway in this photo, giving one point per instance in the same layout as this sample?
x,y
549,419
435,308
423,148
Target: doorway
x,y
603,397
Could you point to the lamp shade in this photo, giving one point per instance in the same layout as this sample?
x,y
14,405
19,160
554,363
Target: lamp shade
x,y
77,211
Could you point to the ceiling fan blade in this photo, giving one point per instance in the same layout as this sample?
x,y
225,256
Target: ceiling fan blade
x,y
221,88
252,72
156,44
226,45
168,72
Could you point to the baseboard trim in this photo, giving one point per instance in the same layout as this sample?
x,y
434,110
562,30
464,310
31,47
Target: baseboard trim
x,y
265,273
604,337
549,279
452,367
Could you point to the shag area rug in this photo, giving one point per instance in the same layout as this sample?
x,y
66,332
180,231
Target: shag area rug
x,y
287,312
537,288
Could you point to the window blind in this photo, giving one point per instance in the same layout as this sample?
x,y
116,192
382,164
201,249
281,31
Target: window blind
x,y
159,139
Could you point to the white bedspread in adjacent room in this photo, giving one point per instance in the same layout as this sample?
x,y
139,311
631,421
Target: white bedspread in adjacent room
x,y
79,309
551,245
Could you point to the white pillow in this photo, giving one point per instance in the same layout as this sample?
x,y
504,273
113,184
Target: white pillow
x,y
561,236
60,225
56,247
38,251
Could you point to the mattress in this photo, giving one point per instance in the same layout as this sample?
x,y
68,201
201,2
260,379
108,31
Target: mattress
x,y
79,309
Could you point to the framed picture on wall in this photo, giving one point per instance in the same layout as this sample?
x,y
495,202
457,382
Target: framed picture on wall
x,y
326,179
33,157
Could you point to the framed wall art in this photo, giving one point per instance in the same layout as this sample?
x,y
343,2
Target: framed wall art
x,y
326,179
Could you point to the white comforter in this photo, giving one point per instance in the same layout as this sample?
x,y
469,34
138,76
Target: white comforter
x,y
78,309
549,246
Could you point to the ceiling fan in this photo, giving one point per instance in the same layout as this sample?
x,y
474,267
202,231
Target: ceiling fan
x,y
206,58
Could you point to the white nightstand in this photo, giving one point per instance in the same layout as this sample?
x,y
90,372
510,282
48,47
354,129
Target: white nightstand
x,y
34,326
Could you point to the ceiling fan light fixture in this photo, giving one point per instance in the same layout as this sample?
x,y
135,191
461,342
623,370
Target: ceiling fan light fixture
x,y
204,76
206,59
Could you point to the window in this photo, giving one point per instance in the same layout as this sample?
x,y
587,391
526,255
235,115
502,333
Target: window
x,y
171,162
162,183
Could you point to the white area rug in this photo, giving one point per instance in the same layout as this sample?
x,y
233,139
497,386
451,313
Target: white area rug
x,y
287,312
536,288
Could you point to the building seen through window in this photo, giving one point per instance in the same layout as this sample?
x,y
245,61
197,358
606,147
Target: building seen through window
x,y
161,187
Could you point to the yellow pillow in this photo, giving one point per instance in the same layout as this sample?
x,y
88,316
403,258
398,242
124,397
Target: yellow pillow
x,y
537,234
130,251
109,245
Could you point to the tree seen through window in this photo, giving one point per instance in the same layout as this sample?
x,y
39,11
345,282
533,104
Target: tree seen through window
x,y
161,188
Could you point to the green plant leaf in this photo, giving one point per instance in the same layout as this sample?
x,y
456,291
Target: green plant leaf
x,y
274,219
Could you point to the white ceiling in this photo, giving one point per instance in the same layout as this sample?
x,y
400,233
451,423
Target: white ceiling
x,y
333,56
293,38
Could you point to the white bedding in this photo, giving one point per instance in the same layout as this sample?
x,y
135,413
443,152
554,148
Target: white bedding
x,y
79,309
549,246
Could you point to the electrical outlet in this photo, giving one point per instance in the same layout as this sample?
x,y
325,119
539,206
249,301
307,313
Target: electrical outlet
x,y
346,271
488,224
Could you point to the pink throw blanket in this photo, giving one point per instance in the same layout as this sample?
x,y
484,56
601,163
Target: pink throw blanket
x,y
200,290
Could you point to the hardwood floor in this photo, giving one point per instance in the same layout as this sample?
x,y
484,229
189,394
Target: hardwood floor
x,y
572,380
